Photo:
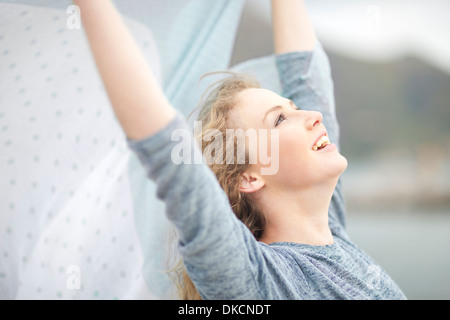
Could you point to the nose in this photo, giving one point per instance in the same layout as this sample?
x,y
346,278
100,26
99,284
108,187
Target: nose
x,y
313,119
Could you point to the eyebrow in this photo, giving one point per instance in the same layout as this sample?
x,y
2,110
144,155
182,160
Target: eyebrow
x,y
276,108
271,110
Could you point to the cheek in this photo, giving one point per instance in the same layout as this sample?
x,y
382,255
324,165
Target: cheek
x,y
295,160
292,150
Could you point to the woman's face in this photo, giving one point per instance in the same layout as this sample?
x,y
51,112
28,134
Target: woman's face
x,y
299,163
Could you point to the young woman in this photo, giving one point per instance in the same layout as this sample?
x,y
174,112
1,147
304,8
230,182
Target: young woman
x,y
243,234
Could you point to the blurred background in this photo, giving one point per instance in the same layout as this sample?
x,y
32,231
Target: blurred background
x,y
391,70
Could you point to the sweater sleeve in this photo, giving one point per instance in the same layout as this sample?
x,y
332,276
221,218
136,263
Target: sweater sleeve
x,y
305,78
220,254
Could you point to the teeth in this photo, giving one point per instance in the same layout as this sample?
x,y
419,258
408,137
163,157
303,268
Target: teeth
x,y
322,142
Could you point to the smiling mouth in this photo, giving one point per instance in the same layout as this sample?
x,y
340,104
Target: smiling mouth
x,y
321,143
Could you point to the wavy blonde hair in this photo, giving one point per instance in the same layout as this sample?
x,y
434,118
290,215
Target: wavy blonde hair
x,y
215,113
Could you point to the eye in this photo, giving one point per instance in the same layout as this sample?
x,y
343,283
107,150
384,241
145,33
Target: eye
x,y
280,118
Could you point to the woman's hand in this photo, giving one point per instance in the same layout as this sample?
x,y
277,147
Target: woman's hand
x,y
137,99
292,28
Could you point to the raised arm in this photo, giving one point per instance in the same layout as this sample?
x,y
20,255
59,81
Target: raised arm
x,y
137,99
305,76
303,65
292,28
220,254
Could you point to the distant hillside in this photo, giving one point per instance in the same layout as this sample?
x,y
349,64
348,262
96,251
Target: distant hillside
x,y
400,106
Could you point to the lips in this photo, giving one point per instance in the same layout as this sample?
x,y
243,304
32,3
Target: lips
x,y
321,142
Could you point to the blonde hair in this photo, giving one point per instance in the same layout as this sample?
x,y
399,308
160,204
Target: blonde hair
x,y
214,113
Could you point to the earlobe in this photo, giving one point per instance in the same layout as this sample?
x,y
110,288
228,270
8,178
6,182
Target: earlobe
x,y
250,183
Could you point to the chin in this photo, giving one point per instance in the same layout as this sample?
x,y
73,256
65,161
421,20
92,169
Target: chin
x,y
338,166
344,163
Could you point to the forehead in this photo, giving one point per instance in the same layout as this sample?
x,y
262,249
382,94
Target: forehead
x,y
257,97
253,103
251,106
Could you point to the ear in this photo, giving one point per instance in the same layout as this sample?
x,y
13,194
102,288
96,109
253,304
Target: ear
x,y
251,182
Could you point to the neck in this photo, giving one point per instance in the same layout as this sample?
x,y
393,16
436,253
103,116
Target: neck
x,y
299,216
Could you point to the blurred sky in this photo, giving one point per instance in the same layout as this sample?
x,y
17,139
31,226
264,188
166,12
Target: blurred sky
x,y
378,30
